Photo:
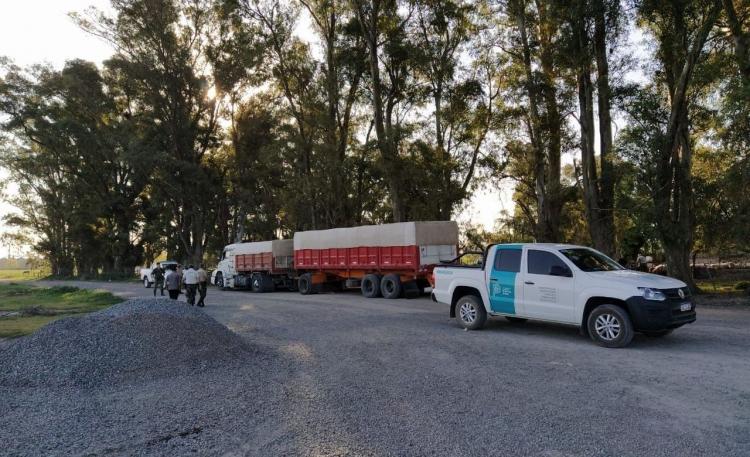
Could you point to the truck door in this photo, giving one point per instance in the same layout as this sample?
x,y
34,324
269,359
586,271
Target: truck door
x,y
505,296
548,287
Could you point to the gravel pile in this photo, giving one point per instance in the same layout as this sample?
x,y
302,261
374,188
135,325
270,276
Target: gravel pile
x,y
133,341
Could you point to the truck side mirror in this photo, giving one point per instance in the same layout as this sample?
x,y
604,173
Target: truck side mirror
x,y
559,270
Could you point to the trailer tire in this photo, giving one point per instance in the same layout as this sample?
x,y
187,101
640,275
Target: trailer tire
x,y
256,283
370,286
390,286
305,284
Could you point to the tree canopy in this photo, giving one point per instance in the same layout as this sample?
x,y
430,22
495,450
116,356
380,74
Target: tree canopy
x,y
620,124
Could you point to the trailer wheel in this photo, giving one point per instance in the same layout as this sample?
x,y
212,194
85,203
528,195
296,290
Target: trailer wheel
x,y
256,283
371,286
390,286
305,284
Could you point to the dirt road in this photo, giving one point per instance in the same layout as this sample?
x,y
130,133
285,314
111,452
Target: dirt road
x,y
398,377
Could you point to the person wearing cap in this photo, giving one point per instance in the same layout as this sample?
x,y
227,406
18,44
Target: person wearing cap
x,y
202,285
190,278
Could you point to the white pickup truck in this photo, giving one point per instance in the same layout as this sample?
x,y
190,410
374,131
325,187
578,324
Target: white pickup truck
x,y
147,274
566,284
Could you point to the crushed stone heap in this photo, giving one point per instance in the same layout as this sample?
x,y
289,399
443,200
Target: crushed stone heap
x,y
137,340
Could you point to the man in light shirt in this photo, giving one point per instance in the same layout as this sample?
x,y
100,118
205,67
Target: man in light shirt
x,y
202,285
190,278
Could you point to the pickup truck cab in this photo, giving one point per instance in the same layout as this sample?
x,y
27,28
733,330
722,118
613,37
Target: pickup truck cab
x,y
566,284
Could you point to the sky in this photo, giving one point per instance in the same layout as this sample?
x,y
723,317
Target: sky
x,y
40,31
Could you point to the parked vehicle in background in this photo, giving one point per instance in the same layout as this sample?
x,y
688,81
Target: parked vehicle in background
x,y
147,274
389,260
261,266
566,284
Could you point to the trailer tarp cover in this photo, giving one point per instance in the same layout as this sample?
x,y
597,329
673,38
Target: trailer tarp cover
x,y
276,247
430,233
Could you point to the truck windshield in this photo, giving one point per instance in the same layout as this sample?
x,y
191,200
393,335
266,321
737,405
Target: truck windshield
x,y
590,260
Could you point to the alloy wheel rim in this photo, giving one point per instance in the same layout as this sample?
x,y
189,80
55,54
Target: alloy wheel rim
x,y
468,313
608,327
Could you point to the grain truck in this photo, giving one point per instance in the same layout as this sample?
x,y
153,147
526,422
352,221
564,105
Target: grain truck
x,y
389,260
262,266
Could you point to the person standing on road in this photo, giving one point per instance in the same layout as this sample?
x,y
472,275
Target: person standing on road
x,y
202,285
190,277
158,279
172,281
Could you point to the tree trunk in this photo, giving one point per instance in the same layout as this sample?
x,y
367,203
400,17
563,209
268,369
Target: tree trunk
x,y
673,200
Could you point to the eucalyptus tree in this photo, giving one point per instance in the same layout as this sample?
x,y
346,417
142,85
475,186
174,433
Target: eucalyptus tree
x,y
681,30
162,57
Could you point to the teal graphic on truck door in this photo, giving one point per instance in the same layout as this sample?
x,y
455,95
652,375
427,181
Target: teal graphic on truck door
x,y
502,287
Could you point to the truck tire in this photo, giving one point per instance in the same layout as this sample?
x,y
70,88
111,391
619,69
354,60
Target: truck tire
x,y
371,286
390,286
610,326
256,283
146,283
305,284
470,312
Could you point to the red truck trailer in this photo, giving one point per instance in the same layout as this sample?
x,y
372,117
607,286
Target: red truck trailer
x,y
262,266
388,260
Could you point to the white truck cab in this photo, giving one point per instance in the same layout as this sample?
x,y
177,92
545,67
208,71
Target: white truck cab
x,y
566,284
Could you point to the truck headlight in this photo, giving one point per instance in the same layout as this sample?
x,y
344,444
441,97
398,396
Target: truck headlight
x,y
652,294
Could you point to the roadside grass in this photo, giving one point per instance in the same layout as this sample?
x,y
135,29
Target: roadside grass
x,y
33,307
722,286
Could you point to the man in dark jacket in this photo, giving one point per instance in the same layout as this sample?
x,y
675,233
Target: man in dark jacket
x,y
173,281
158,279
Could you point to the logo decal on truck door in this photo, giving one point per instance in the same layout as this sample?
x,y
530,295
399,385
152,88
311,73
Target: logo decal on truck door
x,y
503,279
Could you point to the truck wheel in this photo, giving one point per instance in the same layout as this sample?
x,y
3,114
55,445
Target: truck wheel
x,y
610,326
219,282
146,284
371,286
470,312
390,286
658,333
305,284
256,283
516,320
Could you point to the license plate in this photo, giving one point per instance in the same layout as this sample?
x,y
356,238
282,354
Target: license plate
x,y
685,307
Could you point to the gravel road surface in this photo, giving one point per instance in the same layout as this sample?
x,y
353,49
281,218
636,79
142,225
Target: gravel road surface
x,y
342,375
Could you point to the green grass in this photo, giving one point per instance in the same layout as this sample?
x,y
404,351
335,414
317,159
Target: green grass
x,y
21,275
720,286
41,305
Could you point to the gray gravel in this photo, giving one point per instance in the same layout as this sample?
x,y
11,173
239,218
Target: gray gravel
x,y
335,374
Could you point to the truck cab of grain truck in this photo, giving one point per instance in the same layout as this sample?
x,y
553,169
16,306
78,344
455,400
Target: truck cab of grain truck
x,y
224,273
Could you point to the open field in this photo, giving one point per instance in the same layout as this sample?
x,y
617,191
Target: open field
x,y
21,275
342,375
27,307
